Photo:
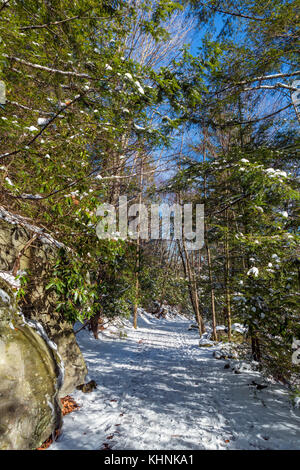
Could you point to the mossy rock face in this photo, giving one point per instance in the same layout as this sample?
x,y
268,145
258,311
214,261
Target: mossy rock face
x,y
29,410
40,304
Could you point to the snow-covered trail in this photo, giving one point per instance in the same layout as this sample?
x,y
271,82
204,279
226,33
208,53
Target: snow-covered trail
x,y
158,390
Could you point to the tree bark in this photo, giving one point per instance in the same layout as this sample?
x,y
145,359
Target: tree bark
x,y
138,247
227,273
212,291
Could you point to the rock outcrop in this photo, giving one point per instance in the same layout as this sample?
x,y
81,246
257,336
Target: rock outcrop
x,y
30,377
39,305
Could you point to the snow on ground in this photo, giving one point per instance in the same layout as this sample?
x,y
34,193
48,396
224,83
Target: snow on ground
x,y
158,390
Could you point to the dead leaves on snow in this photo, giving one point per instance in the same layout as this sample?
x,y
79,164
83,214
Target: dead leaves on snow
x,y
68,405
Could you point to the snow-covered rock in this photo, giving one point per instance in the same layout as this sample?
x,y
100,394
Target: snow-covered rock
x,y
29,409
40,305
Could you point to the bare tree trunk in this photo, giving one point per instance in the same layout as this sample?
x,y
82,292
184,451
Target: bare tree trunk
x,y
94,324
227,287
137,288
212,291
166,275
138,248
186,275
193,290
255,347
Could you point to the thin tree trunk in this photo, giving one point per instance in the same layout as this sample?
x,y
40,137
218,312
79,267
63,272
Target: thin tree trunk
x,y
186,276
212,291
191,276
194,292
255,347
137,287
227,287
165,277
138,248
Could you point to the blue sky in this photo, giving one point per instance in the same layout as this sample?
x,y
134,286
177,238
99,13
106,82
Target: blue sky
x,y
201,31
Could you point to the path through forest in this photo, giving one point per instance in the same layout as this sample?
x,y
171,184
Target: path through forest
x,y
158,390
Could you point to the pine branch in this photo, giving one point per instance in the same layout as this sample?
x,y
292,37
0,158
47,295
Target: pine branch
x,y
268,77
63,108
252,121
231,13
272,87
49,69
66,20
5,4
27,108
